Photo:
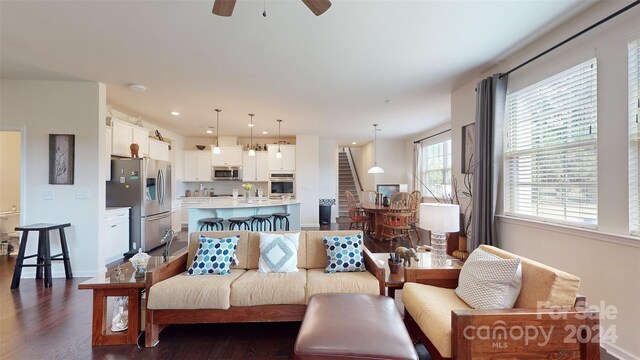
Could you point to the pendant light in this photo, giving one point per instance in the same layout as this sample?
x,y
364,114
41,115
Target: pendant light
x,y
216,149
375,169
251,151
279,153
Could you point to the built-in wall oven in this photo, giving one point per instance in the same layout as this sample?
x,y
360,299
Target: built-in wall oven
x,y
282,183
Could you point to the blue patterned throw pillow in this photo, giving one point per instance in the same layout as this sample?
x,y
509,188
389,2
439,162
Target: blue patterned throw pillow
x,y
214,256
344,253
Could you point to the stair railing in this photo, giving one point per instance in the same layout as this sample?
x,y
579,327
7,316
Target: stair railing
x,y
354,172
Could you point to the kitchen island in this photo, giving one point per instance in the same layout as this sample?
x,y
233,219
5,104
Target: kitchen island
x,y
230,208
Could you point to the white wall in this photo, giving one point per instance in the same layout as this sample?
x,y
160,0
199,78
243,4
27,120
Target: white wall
x,y
62,107
308,178
607,261
328,173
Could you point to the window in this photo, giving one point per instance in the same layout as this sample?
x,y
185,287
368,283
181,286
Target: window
x,y
435,169
634,137
550,150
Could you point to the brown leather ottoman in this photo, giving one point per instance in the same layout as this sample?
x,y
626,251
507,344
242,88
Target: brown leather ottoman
x,y
353,326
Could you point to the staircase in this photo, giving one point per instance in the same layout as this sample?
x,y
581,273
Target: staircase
x,y
345,183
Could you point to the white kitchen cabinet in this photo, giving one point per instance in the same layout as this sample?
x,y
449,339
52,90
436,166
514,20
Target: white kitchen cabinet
x,y
197,165
158,150
117,234
176,220
288,160
229,156
125,134
108,146
255,168
188,203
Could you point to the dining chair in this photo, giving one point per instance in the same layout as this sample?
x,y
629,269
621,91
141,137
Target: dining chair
x,y
400,200
395,223
416,199
358,216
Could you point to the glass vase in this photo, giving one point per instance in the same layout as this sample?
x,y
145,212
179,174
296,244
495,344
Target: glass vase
x,y
438,249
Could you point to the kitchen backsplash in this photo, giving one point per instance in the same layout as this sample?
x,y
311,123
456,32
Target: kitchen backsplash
x,y
219,187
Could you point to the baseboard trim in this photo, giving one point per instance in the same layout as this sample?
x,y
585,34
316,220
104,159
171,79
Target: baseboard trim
x,y
30,274
620,353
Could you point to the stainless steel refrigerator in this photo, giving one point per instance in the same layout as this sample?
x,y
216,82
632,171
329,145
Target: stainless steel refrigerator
x,y
145,186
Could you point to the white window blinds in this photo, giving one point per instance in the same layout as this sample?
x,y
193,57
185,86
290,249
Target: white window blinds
x,y
634,137
550,151
436,168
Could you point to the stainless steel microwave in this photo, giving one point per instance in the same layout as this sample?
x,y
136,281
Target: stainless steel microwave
x,y
226,173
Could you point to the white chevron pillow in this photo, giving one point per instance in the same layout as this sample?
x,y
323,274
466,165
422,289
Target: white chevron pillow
x,y
489,282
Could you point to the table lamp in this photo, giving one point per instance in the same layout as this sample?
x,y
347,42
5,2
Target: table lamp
x,y
439,219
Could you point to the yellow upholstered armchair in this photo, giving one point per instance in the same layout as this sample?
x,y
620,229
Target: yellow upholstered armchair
x,y
548,320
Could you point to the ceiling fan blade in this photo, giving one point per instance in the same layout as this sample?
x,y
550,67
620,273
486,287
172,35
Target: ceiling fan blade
x,y
318,7
223,7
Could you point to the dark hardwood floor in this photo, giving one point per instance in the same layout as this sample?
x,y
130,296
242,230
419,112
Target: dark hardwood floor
x,y
55,323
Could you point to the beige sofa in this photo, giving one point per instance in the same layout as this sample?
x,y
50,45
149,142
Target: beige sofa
x,y
246,295
548,301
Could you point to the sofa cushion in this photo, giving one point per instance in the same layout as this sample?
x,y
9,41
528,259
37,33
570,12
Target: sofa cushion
x,y
541,283
192,292
316,253
489,282
344,253
256,288
319,282
241,249
431,307
278,253
214,256
253,250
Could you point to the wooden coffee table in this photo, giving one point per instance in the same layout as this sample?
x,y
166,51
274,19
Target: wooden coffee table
x,y
108,285
421,272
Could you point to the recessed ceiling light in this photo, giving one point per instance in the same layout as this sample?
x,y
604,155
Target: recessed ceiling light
x,y
209,131
353,143
265,132
175,113
250,125
137,87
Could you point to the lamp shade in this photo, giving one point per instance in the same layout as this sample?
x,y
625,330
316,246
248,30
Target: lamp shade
x,y
440,217
375,169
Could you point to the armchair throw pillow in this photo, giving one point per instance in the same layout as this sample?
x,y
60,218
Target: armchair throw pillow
x,y
344,253
214,256
489,282
278,253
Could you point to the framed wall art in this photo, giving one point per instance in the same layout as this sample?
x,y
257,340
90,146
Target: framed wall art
x,y
61,159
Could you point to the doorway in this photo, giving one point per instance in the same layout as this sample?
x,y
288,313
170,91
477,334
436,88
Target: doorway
x,y
10,189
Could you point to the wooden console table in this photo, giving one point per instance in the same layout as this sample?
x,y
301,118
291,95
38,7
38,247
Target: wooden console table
x,y
421,272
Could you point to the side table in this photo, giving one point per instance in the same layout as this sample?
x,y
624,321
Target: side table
x,y
108,285
421,272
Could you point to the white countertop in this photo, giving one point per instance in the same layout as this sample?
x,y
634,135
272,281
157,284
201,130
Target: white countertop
x,y
117,208
241,203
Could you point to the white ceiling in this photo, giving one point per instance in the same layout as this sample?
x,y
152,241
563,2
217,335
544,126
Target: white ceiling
x,y
328,75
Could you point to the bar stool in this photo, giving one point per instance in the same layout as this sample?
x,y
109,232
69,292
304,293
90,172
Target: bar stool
x,y
209,224
239,222
44,258
259,222
282,219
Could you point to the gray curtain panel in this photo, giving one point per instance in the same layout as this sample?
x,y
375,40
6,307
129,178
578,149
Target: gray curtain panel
x,y
490,103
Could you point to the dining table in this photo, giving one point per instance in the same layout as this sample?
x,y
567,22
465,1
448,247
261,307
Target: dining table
x,y
376,212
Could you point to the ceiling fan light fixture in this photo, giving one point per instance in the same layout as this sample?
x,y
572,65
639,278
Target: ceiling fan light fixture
x,y
216,149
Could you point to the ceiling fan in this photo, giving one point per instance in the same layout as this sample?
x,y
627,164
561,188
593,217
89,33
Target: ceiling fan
x,y
225,7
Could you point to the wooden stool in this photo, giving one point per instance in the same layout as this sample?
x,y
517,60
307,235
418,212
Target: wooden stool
x,y
282,219
239,222
211,224
259,222
44,258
